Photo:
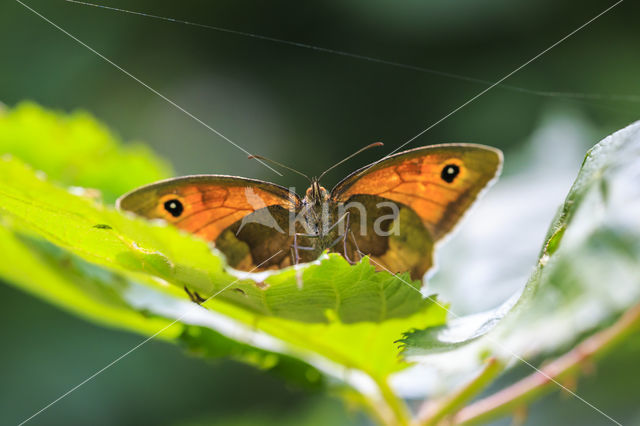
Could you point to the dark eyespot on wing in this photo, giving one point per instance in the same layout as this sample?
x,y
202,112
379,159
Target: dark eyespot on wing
x,y
174,207
450,172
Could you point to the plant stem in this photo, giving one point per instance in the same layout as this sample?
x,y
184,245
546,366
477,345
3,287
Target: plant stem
x,y
545,380
399,410
432,412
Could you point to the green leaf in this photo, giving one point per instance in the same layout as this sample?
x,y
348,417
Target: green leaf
x,y
109,298
457,333
323,319
77,150
586,276
355,334
104,236
52,274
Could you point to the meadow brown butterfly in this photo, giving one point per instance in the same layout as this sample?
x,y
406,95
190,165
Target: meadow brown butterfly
x,y
393,210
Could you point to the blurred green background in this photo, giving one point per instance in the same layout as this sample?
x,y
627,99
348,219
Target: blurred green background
x,y
305,108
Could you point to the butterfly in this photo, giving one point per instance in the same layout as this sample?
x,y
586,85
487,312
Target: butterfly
x,y
394,210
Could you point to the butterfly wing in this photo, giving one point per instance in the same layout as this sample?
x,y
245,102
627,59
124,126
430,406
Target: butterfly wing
x,y
431,186
209,206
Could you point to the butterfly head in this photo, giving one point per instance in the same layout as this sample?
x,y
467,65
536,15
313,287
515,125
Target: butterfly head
x,y
316,193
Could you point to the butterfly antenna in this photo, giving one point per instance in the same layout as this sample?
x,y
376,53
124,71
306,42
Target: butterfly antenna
x,y
350,157
260,157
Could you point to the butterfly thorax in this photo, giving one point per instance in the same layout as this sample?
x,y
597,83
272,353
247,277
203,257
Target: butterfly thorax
x,y
317,232
316,210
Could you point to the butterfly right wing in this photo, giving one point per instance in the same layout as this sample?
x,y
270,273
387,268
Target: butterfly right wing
x,y
426,190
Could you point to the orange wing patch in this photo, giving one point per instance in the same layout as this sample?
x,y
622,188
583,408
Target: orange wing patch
x,y
205,205
438,183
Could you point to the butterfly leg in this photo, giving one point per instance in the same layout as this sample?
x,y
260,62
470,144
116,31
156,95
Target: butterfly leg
x,y
194,296
355,243
296,247
343,237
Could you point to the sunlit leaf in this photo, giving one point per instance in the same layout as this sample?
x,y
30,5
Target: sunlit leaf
x,y
77,150
102,235
308,323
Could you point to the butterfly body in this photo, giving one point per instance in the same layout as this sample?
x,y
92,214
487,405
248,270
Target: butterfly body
x,y
394,210
312,229
315,209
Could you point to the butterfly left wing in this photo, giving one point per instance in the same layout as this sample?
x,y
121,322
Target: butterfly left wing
x,y
431,188
216,208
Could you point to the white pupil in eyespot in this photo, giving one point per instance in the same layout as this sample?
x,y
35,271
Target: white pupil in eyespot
x,y
450,170
172,205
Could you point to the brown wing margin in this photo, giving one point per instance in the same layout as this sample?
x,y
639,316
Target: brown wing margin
x,y
415,179
205,205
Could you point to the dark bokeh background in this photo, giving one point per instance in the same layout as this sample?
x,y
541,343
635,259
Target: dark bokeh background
x,y
303,107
